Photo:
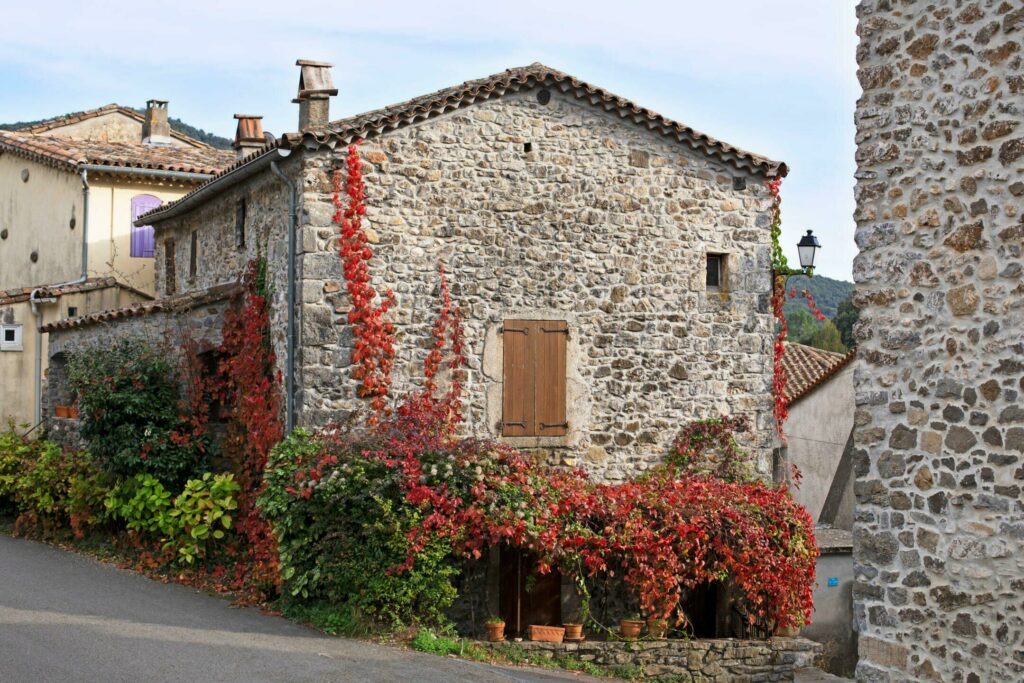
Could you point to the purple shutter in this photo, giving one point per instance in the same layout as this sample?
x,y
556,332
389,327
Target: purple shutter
x,y
142,237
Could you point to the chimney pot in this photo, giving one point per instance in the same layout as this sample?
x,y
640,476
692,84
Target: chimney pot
x,y
248,135
156,130
315,90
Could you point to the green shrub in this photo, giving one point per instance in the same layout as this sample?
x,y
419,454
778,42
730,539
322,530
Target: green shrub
x,y
142,503
340,542
132,413
201,515
13,452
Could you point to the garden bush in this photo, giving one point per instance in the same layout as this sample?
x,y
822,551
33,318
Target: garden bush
x,y
343,541
133,414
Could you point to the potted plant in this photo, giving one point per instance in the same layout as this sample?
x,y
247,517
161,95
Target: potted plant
x,y
495,629
73,411
630,627
62,411
546,634
574,630
657,627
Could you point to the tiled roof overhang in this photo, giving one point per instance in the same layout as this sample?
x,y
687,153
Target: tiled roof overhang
x,y
380,121
22,294
807,368
173,304
76,117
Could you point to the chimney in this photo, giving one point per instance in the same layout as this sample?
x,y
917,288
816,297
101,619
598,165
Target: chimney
x,y
315,90
155,128
248,135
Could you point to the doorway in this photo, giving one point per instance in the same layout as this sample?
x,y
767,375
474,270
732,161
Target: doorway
x,y
524,595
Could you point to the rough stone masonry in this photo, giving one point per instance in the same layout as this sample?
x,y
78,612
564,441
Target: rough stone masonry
x,y
939,528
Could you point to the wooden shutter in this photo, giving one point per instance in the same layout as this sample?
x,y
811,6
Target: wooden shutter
x,y
533,399
517,413
142,245
549,383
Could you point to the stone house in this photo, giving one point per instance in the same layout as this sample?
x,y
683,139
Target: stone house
x,y
612,264
939,518
70,190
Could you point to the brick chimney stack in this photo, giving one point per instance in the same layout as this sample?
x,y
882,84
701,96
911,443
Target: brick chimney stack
x,y
248,135
156,130
315,91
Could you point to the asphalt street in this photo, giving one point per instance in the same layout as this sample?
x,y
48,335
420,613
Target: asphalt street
x,y
66,617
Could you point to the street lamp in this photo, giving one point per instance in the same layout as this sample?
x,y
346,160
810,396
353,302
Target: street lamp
x,y
808,247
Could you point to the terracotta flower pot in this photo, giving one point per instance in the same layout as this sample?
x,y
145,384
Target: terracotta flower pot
x,y
62,411
573,631
495,632
787,631
546,634
73,412
657,628
630,629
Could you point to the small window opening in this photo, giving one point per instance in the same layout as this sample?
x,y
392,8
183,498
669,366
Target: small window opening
x,y
10,338
714,274
193,256
72,311
739,183
240,224
527,147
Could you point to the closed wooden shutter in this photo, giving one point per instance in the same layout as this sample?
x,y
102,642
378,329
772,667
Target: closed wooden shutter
x,y
517,398
549,386
533,400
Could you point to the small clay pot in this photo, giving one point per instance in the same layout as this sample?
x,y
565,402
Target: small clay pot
x,y
73,412
573,631
62,411
657,628
787,632
630,629
546,634
495,632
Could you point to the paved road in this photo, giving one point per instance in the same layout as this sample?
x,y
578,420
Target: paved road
x,y
66,617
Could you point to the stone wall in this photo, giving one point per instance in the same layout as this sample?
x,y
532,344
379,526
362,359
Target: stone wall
x,y
691,661
939,526
202,324
598,222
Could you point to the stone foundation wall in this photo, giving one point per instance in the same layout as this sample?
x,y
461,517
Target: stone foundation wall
x,y
600,223
939,523
691,661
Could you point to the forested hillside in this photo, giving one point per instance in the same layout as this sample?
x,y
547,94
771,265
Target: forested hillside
x,y
833,298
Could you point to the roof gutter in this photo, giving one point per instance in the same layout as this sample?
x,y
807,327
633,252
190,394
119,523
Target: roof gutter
x,y
148,172
232,177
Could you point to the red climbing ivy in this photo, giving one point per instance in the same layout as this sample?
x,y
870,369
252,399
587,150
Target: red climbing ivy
x,y
373,351
247,382
812,305
780,267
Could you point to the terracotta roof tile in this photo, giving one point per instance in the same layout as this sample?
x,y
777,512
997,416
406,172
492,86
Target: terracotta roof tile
x,y
67,153
18,295
512,80
373,123
807,368
75,117
180,302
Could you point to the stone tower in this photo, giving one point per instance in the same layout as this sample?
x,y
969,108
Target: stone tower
x,y
939,527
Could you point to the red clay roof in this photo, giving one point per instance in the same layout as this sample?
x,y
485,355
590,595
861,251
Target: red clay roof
x,y
807,368
379,121
180,302
417,109
13,296
67,154
75,117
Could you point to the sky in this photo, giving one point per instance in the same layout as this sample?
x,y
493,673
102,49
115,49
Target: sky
x,y
777,78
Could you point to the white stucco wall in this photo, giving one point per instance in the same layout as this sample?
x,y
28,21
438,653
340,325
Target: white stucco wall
x,y
817,430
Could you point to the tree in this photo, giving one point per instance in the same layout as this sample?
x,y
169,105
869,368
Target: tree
x,y
846,316
827,338
802,326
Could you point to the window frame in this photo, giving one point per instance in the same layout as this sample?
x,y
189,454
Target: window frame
x,y
170,267
721,259
142,236
17,343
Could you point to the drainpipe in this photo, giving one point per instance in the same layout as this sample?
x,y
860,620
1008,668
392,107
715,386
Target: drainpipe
x,y
293,217
34,299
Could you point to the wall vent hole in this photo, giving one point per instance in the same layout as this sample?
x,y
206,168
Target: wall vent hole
x,y
527,147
